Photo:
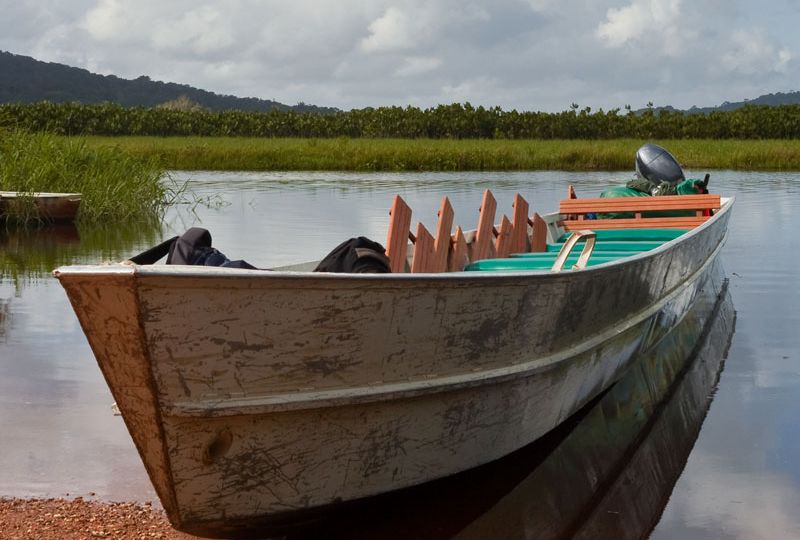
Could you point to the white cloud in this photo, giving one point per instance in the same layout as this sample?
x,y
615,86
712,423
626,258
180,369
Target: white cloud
x,y
752,53
107,21
203,30
542,5
640,21
477,90
523,54
418,65
392,31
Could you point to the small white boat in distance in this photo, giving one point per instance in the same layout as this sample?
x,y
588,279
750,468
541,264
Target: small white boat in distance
x,y
42,206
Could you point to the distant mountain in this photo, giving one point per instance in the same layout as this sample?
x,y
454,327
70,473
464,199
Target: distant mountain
x,y
772,100
27,80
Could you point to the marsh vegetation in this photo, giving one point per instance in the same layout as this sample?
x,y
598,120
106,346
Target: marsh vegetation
x,y
115,184
361,154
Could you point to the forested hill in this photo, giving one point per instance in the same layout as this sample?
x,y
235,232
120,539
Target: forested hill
x,y
772,100
27,80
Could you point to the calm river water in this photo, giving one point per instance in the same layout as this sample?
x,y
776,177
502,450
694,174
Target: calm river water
x,y
732,474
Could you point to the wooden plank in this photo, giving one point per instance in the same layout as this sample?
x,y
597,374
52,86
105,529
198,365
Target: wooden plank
x,y
422,259
441,246
519,232
459,253
663,199
483,245
688,222
503,243
397,238
574,211
539,238
644,204
567,208
646,207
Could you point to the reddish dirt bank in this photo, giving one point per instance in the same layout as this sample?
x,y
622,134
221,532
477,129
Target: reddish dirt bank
x,y
79,519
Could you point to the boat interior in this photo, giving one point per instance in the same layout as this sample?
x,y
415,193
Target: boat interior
x,y
610,245
584,232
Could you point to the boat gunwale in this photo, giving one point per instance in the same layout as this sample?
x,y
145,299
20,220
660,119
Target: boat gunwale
x,y
39,195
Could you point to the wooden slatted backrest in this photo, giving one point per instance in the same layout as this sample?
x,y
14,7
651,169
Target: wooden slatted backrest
x,y
443,241
397,238
519,234
483,245
429,253
575,211
446,253
539,238
423,258
503,244
459,253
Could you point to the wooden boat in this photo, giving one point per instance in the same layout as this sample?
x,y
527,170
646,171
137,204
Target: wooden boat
x,y
40,205
256,398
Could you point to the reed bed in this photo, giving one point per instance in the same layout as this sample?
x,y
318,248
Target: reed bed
x,y
115,184
358,154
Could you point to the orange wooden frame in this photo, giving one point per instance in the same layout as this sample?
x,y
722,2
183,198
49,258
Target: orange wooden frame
x,y
575,210
446,252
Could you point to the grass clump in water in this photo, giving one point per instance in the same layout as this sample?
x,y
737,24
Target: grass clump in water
x,y
114,184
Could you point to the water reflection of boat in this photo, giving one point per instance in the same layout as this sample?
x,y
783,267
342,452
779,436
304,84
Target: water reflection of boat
x,y
48,207
29,253
4,317
262,396
606,473
39,238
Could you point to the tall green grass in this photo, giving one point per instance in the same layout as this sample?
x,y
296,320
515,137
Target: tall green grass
x,y
115,184
265,154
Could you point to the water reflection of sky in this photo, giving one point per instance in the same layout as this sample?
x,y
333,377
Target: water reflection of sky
x,y
742,479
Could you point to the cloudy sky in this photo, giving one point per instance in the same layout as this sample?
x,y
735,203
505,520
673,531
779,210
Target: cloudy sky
x,y
523,54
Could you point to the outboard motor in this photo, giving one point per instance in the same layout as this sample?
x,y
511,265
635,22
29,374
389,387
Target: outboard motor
x,y
657,165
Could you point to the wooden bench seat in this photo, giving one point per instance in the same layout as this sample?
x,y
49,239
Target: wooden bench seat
x,y
575,211
448,252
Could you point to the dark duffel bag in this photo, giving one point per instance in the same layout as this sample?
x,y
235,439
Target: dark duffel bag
x,y
358,256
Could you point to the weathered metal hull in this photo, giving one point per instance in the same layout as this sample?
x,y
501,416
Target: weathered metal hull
x,y
612,474
260,395
607,472
45,206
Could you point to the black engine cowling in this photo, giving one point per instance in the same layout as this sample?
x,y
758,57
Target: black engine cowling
x,y
657,165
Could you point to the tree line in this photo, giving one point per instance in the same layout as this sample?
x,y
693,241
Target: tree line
x,y
454,121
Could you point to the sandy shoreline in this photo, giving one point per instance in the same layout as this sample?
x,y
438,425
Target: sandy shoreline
x,y
79,519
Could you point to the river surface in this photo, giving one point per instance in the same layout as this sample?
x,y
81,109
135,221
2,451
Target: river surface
x,y
737,475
